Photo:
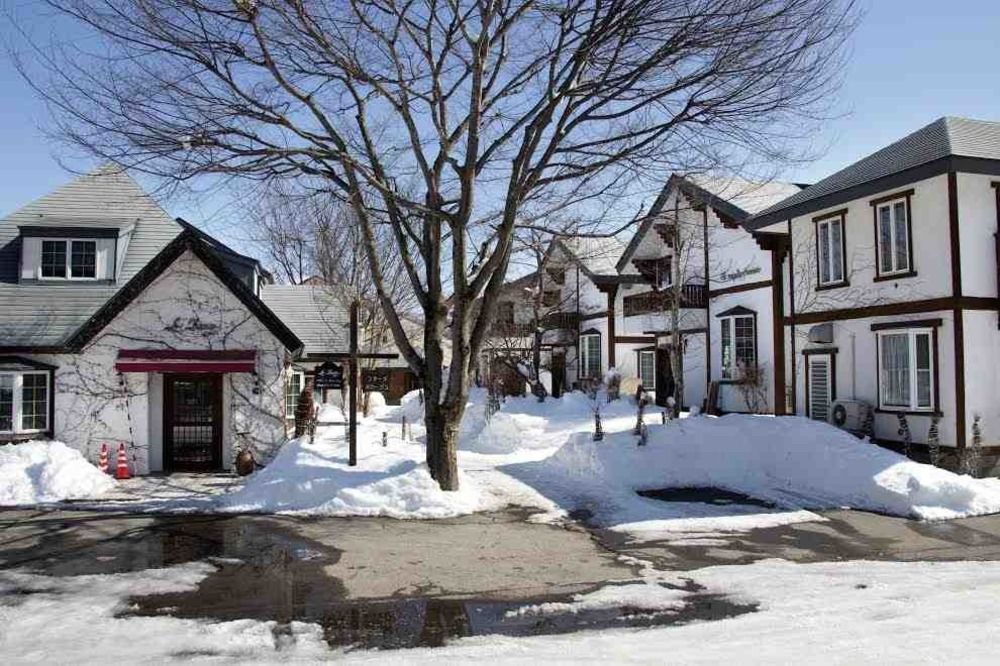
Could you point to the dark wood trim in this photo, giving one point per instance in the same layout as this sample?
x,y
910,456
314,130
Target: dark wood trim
x,y
958,314
791,307
892,197
894,276
909,412
832,285
819,351
913,323
634,339
708,327
996,236
683,331
594,315
875,203
611,326
67,232
832,353
842,212
29,349
778,331
30,362
736,289
893,309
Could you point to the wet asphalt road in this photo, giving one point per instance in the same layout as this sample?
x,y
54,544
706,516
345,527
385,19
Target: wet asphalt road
x,y
387,583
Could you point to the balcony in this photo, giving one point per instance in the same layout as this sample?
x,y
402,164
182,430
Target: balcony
x,y
692,296
510,329
559,320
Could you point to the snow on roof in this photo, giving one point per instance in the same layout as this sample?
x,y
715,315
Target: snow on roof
x,y
751,196
597,255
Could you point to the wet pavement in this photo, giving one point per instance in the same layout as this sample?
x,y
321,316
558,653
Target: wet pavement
x,y
372,582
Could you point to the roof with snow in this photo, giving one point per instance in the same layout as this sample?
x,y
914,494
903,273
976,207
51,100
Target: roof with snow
x,y
319,315
925,152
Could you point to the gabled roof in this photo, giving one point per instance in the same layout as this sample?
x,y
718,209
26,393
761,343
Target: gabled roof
x,y
921,154
187,240
318,314
595,256
44,315
731,197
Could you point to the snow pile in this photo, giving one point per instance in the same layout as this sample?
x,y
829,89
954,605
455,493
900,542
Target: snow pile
x,y
640,596
314,478
37,472
792,462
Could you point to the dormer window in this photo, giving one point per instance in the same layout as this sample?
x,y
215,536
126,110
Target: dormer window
x,y
51,254
72,259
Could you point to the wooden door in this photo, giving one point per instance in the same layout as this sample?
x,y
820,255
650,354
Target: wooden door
x,y
664,377
192,422
558,374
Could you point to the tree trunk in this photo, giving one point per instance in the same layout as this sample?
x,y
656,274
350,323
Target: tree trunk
x,y
442,423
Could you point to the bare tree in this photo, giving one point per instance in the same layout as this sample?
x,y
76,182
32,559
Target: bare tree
x,y
450,123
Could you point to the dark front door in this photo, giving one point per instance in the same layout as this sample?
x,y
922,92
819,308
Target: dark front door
x,y
558,374
192,423
664,377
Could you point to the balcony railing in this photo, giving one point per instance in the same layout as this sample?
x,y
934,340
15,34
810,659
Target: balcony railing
x,y
559,320
510,329
692,296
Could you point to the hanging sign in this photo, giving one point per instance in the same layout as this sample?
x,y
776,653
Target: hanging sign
x,y
375,379
329,376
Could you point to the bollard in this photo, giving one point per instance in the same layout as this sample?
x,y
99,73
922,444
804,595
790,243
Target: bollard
x,y
403,430
385,438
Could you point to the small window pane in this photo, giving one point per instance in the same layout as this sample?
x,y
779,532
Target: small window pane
x,y
293,388
836,251
54,259
824,253
34,402
6,403
885,239
727,349
83,261
895,360
902,248
745,342
923,349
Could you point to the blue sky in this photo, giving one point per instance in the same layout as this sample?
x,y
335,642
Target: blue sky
x,y
912,61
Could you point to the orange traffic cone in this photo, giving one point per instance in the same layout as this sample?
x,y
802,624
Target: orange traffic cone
x,y
102,462
121,472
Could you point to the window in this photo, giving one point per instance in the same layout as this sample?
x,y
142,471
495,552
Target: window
x,y
739,344
906,370
54,259
73,259
893,234
293,388
647,369
830,250
590,356
24,402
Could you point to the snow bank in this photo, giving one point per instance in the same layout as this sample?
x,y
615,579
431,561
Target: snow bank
x,y
793,462
314,478
37,472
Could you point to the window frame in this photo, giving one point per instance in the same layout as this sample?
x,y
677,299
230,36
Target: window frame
x,y
639,355
911,333
68,275
825,220
17,402
584,353
291,405
730,319
877,205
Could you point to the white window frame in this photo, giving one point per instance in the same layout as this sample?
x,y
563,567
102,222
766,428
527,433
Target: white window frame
x,y
17,414
830,266
585,360
912,369
891,207
651,386
68,247
730,320
290,406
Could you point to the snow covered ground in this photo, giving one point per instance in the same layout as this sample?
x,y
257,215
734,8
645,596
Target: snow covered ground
x,y
838,612
42,472
542,456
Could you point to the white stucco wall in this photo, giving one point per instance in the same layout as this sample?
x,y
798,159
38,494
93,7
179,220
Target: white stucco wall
x,y
977,214
186,307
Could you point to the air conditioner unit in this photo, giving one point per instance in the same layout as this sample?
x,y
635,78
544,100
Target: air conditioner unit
x,y
849,414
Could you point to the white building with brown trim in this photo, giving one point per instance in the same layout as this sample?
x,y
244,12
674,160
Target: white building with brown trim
x,y
889,290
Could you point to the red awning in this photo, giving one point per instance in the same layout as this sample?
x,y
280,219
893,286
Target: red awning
x,y
186,360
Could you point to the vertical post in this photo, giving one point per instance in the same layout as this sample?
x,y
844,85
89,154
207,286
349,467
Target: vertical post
x,y
352,363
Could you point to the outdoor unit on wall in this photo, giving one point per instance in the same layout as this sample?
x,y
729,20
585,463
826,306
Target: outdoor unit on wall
x,y
849,414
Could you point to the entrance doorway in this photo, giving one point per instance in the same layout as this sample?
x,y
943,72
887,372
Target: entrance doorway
x,y
192,422
558,373
664,376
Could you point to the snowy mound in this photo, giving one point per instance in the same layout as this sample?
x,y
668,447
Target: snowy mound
x,y
314,478
793,462
38,472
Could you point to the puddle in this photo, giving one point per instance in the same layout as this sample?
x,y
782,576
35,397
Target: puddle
x,y
704,495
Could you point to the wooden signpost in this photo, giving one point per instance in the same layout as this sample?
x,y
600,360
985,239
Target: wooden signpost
x,y
334,374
